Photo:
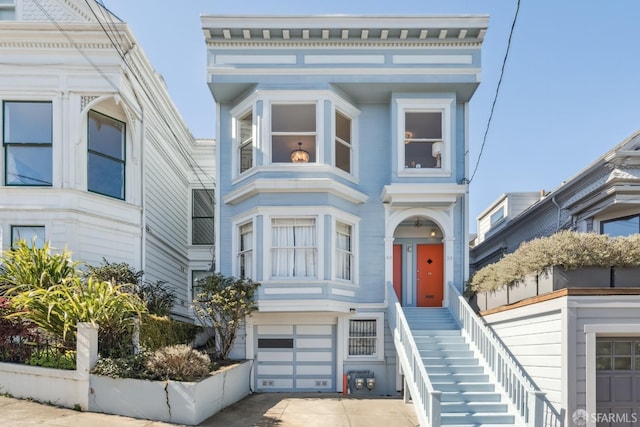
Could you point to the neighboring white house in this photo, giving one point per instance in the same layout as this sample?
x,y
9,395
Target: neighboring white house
x,y
581,346
342,166
95,156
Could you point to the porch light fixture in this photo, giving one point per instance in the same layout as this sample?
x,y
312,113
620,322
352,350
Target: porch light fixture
x,y
433,232
299,155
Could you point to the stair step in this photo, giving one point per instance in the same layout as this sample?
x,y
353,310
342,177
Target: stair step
x,y
445,339
464,386
473,407
458,378
471,396
449,361
452,346
455,369
445,353
482,418
435,332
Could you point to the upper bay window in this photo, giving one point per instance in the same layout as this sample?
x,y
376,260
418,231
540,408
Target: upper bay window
x,y
28,139
106,157
293,133
245,141
343,142
424,137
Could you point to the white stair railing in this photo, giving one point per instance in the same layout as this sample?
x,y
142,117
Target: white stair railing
x,y
426,400
527,398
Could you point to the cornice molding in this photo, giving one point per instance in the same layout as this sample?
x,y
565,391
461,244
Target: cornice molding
x,y
52,45
343,44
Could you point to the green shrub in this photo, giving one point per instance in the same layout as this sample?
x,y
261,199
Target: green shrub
x,y
132,366
161,331
116,273
53,359
25,267
178,362
566,249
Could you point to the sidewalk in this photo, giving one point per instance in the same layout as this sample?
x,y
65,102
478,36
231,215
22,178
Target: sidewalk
x,y
257,410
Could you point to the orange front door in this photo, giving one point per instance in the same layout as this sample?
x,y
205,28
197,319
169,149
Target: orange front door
x,y
429,275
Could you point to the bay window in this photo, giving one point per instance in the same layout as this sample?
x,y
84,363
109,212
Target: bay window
x,y
31,234
28,140
293,133
344,251
621,227
245,251
294,251
106,157
343,142
245,141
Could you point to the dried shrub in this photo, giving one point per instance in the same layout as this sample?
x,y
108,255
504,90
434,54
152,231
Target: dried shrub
x,y
178,362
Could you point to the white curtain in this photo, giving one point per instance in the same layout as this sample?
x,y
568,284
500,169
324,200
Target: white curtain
x,y
343,251
294,252
246,251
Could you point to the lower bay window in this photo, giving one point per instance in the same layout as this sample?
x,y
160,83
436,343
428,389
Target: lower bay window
x,y
294,251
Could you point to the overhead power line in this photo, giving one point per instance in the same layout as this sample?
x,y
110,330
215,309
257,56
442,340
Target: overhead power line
x,y
495,97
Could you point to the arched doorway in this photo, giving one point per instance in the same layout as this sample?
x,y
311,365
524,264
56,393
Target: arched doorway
x,y
418,262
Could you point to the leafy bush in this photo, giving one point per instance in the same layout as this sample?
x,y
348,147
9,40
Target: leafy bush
x,y
566,249
58,308
161,331
131,366
52,358
223,302
158,297
24,268
178,362
116,273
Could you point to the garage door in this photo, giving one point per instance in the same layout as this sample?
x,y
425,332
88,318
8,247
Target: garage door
x,y
295,358
618,381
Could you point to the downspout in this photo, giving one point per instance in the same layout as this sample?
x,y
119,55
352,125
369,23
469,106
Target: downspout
x,y
553,200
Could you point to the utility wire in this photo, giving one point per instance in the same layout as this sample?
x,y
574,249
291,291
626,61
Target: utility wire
x,y
495,98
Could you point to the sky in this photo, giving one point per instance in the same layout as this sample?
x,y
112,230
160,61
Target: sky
x,y
570,90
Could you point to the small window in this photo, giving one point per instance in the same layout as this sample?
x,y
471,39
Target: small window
x,y
195,276
617,354
344,251
343,142
293,248
106,162
245,141
362,337
27,137
32,234
497,216
245,252
275,342
293,133
620,227
7,10
422,139
202,220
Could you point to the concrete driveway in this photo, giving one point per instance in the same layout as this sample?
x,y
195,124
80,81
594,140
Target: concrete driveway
x,y
311,410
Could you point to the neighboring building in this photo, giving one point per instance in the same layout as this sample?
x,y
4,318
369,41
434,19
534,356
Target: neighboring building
x,y
342,166
95,156
581,346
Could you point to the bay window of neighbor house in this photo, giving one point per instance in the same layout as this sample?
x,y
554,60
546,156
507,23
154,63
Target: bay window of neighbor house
x,y
343,142
7,10
294,252
245,141
620,227
28,140
344,252
106,157
245,251
422,139
293,133
202,219
32,234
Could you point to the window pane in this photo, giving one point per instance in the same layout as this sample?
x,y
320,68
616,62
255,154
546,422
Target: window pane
x,y
293,118
418,154
28,165
203,203
423,125
28,233
603,348
603,363
246,157
622,226
343,156
245,127
282,146
362,337
106,135
497,216
622,363
294,252
105,176
622,348
202,231
343,127
28,122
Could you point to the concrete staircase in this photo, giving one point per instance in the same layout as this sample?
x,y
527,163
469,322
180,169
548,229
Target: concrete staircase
x,y
469,398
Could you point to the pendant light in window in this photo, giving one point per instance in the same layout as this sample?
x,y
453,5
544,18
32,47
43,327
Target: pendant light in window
x,y
299,155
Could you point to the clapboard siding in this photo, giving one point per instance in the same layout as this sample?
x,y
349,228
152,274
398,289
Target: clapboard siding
x,y
539,350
